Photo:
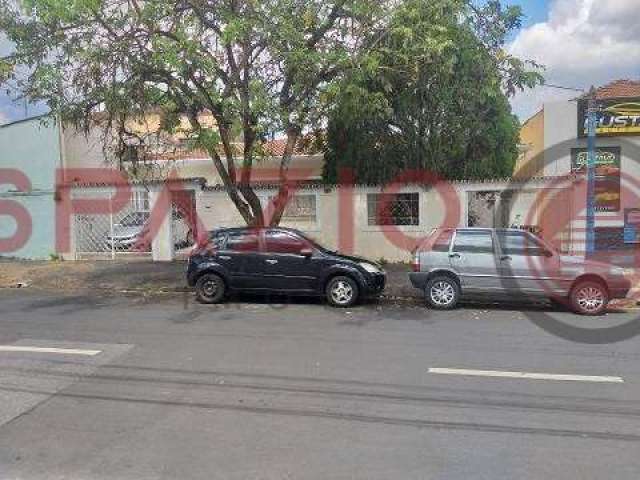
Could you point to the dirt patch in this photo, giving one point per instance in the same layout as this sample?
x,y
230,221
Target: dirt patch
x,y
45,275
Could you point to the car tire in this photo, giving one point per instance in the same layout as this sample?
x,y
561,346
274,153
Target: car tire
x,y
210,288
589,297
442,292
342,292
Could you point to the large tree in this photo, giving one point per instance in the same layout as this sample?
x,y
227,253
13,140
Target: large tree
x,y
432,96
260,66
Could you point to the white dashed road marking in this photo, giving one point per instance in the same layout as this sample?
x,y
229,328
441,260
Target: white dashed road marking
x,y
526,375
60,351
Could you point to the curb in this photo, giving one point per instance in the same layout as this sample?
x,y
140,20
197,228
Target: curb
x,y
389,299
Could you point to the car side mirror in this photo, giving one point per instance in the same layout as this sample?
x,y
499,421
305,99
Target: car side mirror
x,y
547,253
306,252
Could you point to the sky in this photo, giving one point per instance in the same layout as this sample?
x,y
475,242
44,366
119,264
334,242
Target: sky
x,y
580,43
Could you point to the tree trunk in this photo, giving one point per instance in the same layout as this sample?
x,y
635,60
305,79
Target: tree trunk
x,y
282,198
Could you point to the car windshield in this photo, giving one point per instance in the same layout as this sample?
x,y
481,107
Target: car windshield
x,y
541,242
546,244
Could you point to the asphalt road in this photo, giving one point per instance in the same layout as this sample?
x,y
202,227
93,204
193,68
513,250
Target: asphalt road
x,y
112,388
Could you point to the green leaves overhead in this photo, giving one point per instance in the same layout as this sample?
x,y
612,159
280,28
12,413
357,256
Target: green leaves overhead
x,y
413,81
431,96
266,61
257,67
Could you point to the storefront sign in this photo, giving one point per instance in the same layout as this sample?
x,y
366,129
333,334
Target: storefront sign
x,y
615,117
632,225
607,184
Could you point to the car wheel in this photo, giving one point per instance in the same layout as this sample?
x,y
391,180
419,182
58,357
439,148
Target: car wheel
x,y
442,293
589,298
210,288
342,292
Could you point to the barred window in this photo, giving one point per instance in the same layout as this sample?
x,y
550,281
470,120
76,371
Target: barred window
x,y
300,207
393,208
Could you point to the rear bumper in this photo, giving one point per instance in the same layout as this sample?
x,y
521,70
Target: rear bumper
x,y
418,279
122,243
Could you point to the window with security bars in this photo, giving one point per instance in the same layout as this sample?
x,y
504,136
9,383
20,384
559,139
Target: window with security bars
x,y
300,207
393,208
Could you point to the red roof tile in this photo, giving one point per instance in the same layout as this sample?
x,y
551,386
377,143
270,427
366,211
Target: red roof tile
x,y
619,89
271,148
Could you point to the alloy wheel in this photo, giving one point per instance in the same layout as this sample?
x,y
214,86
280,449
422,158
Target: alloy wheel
x,y
341,292
210,288
590,298
442,293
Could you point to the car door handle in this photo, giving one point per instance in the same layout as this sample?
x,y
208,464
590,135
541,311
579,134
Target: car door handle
x,y
454,255
224,257
271,261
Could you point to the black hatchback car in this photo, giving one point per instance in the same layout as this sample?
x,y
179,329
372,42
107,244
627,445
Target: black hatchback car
x,y
279,260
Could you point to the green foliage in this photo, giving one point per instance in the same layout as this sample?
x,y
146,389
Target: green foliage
x,y
6,69
431,95
411,83
260,67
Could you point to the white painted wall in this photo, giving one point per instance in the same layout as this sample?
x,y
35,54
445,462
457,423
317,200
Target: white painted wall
x,y
84,151
560,126
373,241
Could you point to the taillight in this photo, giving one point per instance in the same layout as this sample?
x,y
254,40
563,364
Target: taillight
x,y
416,263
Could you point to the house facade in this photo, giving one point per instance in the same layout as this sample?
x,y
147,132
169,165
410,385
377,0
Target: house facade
x,y
382,222
547,193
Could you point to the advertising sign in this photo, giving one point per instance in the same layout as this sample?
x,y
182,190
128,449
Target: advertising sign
x,y
619,116
607,184
632,225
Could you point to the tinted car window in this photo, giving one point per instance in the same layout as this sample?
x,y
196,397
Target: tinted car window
x,y
281,242
443,240
243,242
517,243
216,240
473,242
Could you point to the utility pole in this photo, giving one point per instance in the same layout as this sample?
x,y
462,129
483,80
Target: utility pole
x,y
592,119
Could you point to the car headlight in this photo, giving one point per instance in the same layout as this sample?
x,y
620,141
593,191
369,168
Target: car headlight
x,y
369,267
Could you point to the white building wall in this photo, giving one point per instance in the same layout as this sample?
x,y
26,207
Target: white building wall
x,y
560,127
84,151
373,241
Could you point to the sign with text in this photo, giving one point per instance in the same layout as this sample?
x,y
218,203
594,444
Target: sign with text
x,y
618,116
632,225
607,184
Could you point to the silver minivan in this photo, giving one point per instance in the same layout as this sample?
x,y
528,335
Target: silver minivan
x,y
453,262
